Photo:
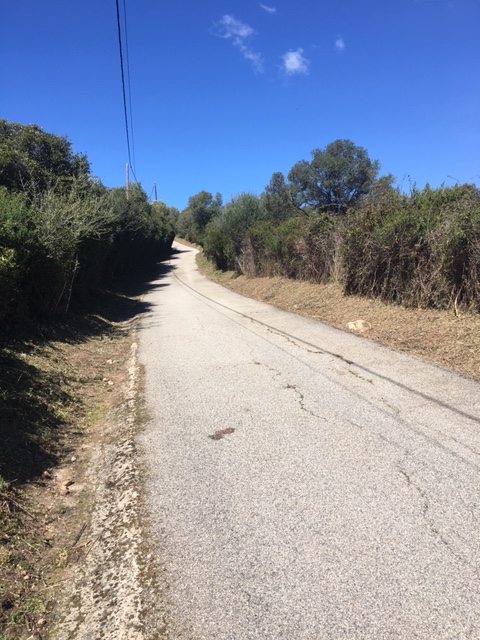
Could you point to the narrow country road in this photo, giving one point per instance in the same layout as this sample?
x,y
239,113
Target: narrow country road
x,y
304,483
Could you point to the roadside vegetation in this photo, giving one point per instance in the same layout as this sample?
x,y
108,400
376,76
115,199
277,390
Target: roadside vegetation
x,y
68,247
63,235
335,219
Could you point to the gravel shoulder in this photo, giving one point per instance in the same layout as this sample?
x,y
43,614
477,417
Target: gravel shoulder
x,y
111,590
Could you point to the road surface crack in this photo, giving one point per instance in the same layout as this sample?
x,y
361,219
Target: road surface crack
x,y
299,346
432,525
302,403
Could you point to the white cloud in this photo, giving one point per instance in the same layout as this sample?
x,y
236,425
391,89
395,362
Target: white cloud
x,y
232,29
255,58
294,62
268,9
340,44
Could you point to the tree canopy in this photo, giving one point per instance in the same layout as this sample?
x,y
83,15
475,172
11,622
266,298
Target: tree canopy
x,y
32,160
62,233
278,200
200,210
336,178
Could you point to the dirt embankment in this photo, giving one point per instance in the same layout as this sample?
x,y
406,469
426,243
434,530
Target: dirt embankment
x,y
74,554
442,337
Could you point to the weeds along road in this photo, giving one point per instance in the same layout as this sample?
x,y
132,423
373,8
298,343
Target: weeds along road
x,y
304,482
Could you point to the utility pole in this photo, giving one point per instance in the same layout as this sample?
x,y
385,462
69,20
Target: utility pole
x,y
155,187
128,181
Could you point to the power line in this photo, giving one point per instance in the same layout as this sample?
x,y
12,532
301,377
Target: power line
x,y
123,84
129,88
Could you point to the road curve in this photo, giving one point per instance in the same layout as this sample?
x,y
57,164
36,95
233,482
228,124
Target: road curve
x,y
304,483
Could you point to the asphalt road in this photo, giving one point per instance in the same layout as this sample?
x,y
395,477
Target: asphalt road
x,y
304,483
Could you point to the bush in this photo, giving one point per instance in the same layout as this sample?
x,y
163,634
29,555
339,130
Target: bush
x,y
139,235
300,248
418,250
259,251
218,247
63,224
238,216
15,247
60,246
62,233
8,280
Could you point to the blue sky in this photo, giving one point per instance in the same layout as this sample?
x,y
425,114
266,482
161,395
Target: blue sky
x,y
226,92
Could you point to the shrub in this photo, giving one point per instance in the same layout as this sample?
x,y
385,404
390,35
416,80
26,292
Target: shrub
x,y
218,247
15,246
259,251
418,250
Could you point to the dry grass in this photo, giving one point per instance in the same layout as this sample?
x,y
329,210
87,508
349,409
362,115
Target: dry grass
x,y
439,336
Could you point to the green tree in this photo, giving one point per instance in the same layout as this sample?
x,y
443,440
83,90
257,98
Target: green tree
x,y
218,247
14,248
33,161
141,235
225,235
336,178
277,199
200,210
185,224
239,215
62,233
64,225
171,214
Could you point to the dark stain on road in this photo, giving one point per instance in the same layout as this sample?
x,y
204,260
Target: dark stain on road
x,y
218,435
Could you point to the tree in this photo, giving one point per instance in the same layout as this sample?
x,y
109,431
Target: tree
x,y
32,160
171,214
239,215
201,209
141,235
277,199
62,233
336,178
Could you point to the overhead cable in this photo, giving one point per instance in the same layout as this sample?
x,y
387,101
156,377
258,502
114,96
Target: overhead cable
x,y
129,89
123,84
